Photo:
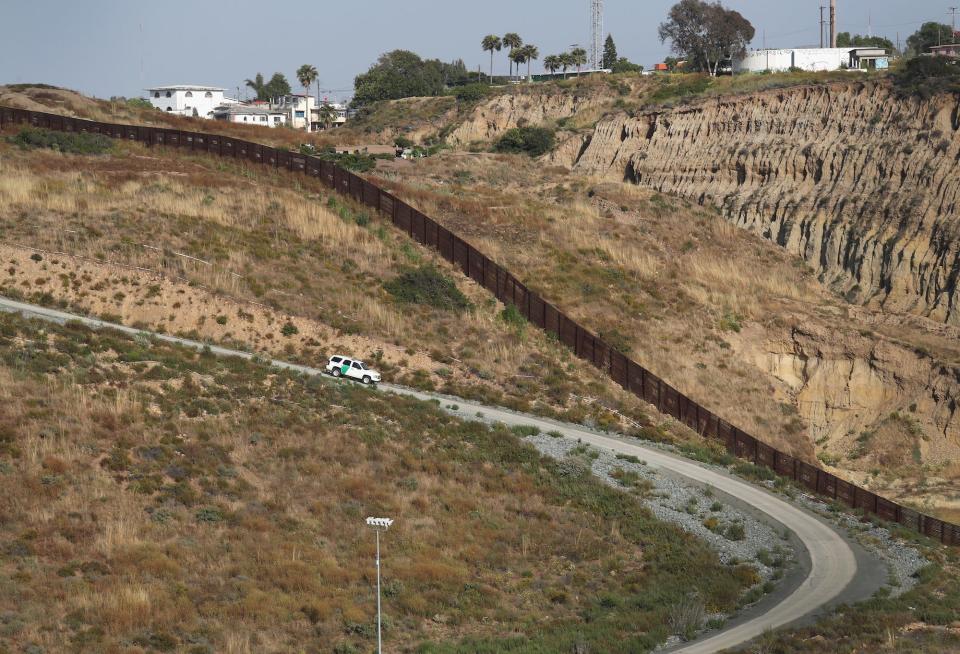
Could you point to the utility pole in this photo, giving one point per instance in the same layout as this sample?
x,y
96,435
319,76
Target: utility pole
x,y
378,525
821,25
953,24
833,23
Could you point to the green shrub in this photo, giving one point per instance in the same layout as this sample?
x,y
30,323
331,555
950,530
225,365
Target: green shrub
x,y
427,285
289,329
209,514
735,531
472,92
534,141
512,316
680,86
927,76
73,143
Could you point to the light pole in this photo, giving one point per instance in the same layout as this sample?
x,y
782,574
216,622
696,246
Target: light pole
x,y
378,525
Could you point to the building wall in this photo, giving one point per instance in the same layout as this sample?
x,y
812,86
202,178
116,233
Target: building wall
x,y
180,103
261,120
812,59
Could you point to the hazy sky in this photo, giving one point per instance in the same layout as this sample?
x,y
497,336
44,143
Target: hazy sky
x,y
117,47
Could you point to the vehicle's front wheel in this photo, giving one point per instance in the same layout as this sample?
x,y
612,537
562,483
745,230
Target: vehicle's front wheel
x,y
367,380
336,372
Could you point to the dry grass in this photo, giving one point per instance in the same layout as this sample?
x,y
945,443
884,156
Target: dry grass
x,y
222,510
285,246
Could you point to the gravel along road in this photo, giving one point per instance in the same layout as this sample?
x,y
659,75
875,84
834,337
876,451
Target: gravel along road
x,y
831,565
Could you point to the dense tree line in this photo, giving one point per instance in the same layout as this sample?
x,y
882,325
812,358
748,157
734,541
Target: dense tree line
x,y
403,74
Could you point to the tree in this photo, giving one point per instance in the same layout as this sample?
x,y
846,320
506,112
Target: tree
x,y
578,57
623,65
306,75
927,76
845,40
530,53
609,53
258,85
513,41
277,86
552,63
491,43
706,33
327,114
929,35
403,74
566,61
517,57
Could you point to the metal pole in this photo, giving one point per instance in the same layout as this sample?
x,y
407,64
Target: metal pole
x,y
821,25
379,640
833,23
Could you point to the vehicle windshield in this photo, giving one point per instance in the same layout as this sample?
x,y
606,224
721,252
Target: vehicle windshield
x,y
362,367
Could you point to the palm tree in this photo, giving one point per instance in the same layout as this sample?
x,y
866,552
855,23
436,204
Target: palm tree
x,y
327,114
491,43
552,63
578,57
530,53
258,85
566,60
513,41
306,74
518,56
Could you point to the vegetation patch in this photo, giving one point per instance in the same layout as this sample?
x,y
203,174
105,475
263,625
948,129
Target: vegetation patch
x,y
428,285
927,76
534,141
69,142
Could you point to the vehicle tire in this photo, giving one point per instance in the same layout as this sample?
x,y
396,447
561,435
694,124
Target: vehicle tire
x,y
335,372
367,380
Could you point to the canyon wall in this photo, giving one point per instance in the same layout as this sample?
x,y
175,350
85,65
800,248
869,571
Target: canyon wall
x,y
862,184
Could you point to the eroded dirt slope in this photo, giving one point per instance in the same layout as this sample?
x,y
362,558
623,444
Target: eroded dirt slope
x,y
858,182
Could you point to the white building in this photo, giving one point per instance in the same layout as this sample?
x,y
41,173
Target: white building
x,y
250,115
297,107
187,99
810,59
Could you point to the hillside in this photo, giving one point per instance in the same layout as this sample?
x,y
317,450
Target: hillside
x,y
165,499
277,264
739,324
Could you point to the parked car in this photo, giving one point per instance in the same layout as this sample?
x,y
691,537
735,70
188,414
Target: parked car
x,y
341,366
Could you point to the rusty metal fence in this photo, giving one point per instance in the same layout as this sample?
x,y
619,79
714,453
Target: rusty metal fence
x,y
510,290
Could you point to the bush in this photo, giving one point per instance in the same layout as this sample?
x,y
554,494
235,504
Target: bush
x,y
427,285
472,93
512,316
289,329
73,143
686,617
534,141
927,76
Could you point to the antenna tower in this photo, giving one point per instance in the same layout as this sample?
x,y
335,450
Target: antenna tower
x,y
596,39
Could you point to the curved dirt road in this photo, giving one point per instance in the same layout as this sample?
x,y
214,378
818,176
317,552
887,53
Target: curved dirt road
x,y
833,565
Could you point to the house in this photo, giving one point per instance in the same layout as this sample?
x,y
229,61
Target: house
x,y
811,59
244,114
187,99
869,59
949,50
298,108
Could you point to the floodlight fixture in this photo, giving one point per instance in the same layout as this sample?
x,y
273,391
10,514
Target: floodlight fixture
x,y
378,525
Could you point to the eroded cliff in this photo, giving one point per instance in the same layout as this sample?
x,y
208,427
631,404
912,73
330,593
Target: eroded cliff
x,y
863,185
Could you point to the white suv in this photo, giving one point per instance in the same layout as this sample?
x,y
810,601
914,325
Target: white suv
x,y
341,366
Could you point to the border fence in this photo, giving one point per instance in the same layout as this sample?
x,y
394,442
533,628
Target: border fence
x,y
509,290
